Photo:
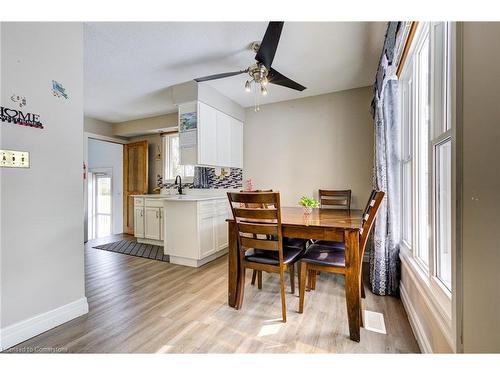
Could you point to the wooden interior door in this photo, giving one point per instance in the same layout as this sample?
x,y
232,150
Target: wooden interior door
x,y
135,179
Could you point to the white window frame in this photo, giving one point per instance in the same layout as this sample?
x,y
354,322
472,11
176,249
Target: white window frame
x,y
166,161
441,130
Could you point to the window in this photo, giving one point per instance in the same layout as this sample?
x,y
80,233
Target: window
x,y
427,155
422,86
172,160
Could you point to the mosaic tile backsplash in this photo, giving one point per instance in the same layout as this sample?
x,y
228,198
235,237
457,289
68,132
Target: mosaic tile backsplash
x,y
205,178
234,180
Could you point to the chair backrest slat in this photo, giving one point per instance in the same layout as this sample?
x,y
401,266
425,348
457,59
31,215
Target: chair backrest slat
x,y
253,197
369,216
269,229
256,213
261,244
335,199
258,220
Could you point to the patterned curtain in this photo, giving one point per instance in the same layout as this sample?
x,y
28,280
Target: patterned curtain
x,y
384,254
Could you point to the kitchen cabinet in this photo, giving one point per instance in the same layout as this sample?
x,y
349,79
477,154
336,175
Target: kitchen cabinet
x,y
236,142
139,222
196,231
207,135
223,140
148,220
216,141
152,223
222,213
206,229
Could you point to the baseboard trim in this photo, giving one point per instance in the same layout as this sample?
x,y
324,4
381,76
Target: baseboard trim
x,y
150,242
416,326
189,262
26,329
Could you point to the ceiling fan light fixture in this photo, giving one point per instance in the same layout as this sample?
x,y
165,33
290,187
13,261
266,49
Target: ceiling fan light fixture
x,y
263,90
264,81
248,86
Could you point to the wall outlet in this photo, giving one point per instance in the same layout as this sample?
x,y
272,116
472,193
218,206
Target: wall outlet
x,y
14,159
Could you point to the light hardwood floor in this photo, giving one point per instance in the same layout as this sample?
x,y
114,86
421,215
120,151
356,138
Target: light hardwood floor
x,y
146,306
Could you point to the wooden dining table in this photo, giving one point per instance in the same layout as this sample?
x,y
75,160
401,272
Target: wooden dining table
x,y
321,224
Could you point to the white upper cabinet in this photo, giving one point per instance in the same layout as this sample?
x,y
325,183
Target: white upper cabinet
x,y
207,137
218,141
236,143
223,143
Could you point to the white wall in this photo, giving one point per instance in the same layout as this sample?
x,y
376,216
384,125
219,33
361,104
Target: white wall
x,y
109,155
300,146
42,259
92,125
481,186
149,125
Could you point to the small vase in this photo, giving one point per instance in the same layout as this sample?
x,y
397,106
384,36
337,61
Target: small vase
x,y
307,210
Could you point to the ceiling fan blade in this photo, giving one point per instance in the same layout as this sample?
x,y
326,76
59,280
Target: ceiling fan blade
x,y
221,75
277,78
269,45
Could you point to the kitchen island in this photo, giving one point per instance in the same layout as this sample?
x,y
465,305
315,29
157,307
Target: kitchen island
x,y
191,228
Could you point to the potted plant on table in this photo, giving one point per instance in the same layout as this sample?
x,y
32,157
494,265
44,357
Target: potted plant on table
x,y
308,204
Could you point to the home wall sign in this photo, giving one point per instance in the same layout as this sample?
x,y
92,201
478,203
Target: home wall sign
x,y
20,118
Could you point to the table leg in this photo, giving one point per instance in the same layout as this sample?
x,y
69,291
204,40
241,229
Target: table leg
x,y
352,282
233,271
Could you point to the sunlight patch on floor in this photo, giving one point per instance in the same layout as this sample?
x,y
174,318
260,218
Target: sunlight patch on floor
x,y
270,327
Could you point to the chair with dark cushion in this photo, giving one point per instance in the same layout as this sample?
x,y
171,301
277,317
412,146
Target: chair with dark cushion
x,y
288,242
332,258
330,199
258,221
338,245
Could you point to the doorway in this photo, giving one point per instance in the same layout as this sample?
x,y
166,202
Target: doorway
x,y
103,189
100,203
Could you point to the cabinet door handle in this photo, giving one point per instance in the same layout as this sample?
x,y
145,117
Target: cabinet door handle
x,y
157,214
142,212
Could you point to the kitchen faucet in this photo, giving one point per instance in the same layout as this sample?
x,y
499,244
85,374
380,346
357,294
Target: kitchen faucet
x,y
179,189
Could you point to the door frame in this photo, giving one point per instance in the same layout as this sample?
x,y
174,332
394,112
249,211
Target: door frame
x,y
86,137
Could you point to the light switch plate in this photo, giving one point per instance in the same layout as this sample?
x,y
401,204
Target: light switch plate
x,y
14,159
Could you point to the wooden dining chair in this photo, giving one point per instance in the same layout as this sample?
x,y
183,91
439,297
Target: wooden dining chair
x,y
340,199
332,199
332,259
287,241
311,278
256,252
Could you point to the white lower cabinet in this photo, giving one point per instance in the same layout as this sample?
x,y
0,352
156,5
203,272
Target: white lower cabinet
x,y
222,211
206,229
152,223
148,220
139,222
162,226
196,232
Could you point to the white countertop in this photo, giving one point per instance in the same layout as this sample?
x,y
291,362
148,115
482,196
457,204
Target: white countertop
x,y
181,198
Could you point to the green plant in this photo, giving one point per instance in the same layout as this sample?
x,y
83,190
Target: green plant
x,y
309,202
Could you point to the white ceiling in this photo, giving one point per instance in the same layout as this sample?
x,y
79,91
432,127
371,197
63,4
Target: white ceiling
x,y
130,65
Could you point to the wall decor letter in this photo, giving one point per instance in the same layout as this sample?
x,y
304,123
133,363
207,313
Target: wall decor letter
x,y
19,118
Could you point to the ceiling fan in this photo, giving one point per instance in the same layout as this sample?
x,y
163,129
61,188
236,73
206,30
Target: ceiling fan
x,y
262,73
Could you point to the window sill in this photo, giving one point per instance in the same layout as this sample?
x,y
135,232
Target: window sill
x,y
438,300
